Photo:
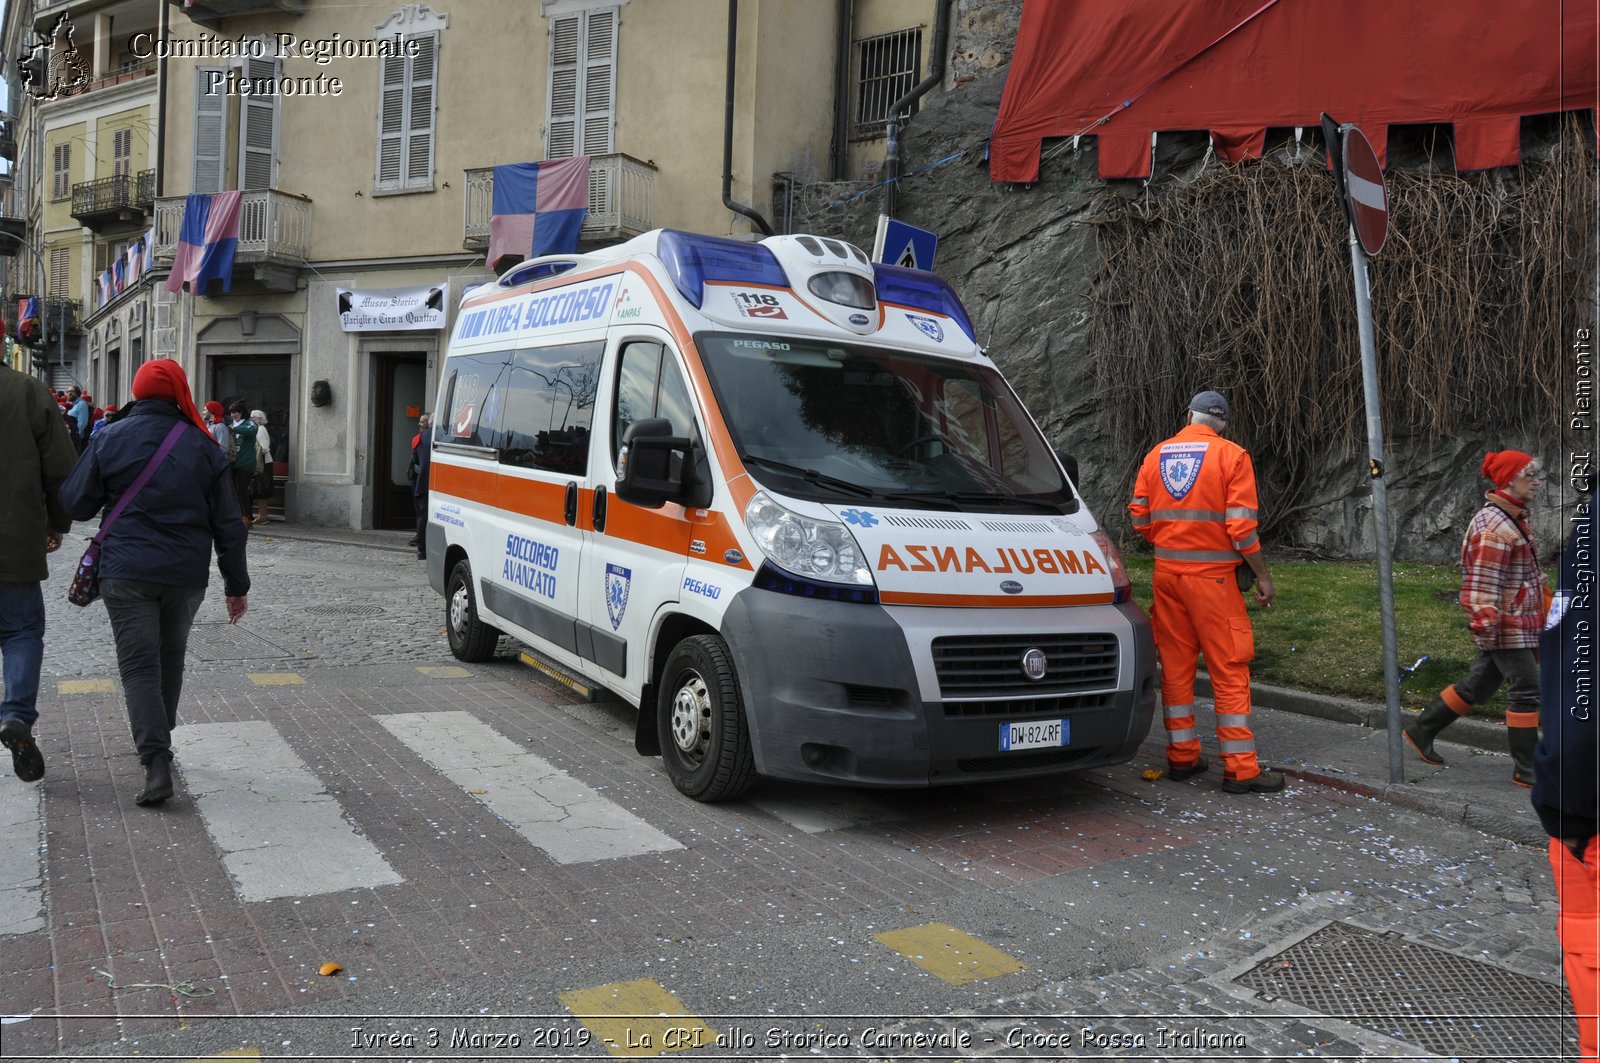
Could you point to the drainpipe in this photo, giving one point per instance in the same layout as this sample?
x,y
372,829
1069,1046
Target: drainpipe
x,y
891,159
727,129
840,162
161,104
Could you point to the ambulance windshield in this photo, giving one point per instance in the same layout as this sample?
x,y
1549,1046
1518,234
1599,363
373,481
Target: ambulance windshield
x,y
826,421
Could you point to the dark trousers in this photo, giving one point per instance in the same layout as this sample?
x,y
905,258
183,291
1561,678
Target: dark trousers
x,y
1516,668
150,623
420,504
22,646
241,487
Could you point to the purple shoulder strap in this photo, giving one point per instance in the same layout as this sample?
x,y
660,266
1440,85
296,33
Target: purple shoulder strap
x,y
144,478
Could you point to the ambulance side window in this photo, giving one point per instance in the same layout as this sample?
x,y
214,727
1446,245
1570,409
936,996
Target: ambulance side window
x,y
650,384
473,399
550,407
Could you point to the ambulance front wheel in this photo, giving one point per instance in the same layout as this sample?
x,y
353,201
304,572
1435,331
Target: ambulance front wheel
x,y
470,638
700,722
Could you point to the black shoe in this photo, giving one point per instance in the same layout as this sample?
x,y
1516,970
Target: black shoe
x,y
26,760
1268,782
157,780
1187,771
411,541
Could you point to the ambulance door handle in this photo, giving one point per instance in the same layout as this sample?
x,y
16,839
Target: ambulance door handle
x,y
599,509
569,508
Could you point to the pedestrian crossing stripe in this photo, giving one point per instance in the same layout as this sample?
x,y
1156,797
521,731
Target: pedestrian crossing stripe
x,y
949,954
638,1019
86,686
277,679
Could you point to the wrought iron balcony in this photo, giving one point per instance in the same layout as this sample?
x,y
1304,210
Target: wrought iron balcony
x,y
144,191
621,201
274,235
8,142
60,315
110,200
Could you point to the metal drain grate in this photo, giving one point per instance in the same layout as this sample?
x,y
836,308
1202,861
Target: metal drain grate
x,y
1435,999
340,609
230,642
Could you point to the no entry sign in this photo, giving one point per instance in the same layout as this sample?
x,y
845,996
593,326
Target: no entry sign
x,y
1363,185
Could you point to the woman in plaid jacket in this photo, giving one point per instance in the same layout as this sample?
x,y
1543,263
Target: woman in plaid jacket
x,y
1502,591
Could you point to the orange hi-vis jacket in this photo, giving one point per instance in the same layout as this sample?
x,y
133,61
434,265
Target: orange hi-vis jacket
x,y
1195,500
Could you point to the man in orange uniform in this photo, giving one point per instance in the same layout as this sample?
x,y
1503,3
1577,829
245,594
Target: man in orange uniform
x,y
1195,500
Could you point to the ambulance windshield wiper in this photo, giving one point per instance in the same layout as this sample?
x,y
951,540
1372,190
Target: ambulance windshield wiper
x,y
977,498
810,476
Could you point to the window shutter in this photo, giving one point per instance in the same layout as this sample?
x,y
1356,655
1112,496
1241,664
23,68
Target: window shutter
x,y
60,261
210,134
420,101
61,173
122,151
561,131
258,134
391,120
599,81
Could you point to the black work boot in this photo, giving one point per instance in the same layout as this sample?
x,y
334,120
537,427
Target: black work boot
x,y
1523,741
26,760
1435,718
157,780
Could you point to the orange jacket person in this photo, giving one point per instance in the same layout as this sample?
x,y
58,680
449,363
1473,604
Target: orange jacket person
x,y
1195,500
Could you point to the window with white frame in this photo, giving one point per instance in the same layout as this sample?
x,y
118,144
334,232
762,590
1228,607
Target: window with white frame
x,y
888,66
408,100
583,84
61,172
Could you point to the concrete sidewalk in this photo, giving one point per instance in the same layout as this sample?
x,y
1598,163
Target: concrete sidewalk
x,y
1344,744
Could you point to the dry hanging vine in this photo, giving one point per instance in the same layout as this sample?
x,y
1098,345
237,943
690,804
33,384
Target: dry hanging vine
x,y
1240,280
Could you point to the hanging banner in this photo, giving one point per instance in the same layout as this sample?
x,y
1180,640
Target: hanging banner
x,y
390,309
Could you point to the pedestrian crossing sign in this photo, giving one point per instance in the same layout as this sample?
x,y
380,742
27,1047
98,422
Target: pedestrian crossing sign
x,y
899,244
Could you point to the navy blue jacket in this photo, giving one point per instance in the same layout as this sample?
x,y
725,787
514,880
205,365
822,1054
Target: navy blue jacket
x,y
167,532
1566,789
422,454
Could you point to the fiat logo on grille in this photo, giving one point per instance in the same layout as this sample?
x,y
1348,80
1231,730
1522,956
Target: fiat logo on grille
x,y
1034,663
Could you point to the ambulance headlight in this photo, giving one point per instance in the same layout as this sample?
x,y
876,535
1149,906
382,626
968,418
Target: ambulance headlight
x,y
809,548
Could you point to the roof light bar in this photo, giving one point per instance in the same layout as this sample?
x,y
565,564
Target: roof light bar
x,y
923,291
692,261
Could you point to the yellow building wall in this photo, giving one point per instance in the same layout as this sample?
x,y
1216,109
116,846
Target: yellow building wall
x,y
57,214
137,121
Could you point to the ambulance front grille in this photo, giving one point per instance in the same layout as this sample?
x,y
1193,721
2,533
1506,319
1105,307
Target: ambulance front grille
x,y
1017,526
1016,708
1054,758
933,523
974,666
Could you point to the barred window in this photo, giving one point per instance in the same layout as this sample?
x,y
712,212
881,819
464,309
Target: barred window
x,y
887,67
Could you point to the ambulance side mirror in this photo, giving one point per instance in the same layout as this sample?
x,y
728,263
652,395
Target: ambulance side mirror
x,y
1069,463
644,464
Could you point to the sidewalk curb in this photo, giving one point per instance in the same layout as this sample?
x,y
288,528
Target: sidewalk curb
x,y
1522,830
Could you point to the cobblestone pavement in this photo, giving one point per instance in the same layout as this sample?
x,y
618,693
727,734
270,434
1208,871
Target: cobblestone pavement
x,y
1097,916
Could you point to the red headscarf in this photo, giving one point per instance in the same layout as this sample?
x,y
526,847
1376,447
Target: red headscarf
x,y
165,379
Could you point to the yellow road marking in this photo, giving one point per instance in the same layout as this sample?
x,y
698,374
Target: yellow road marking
x,y
448,671
277,679
636,1019
948,954
86,686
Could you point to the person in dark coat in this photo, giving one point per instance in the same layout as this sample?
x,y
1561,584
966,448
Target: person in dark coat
x,y
38,456
154,564
1566,789
421,460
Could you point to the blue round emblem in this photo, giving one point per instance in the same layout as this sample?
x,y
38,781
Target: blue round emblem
x,y
1011,586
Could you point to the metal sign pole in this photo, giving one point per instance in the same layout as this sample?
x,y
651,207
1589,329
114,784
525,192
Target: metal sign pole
x,y
1380,504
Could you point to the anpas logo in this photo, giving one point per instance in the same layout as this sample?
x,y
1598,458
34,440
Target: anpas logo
x,y
53,67
618,580
930,328
626,310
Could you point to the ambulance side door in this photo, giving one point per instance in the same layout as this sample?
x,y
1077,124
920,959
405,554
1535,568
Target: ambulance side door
x,y
635,558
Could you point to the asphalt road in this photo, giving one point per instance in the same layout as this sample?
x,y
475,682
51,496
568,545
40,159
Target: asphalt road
x,y
499,876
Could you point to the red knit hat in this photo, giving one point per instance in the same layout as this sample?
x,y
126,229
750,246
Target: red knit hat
x,y
214,408
1503,466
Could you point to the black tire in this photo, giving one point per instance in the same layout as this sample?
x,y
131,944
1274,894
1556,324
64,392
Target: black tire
x,y
470,638
705,743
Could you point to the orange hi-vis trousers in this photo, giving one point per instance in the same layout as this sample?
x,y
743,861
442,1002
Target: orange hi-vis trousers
x,y
1578,928
1198,613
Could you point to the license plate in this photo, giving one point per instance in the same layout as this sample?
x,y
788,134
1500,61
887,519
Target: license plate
x,y
1035,734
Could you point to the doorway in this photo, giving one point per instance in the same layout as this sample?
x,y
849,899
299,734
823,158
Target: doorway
x,y
402,380
261,383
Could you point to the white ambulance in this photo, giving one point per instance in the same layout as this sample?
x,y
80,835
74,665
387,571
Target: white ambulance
x,y
775,496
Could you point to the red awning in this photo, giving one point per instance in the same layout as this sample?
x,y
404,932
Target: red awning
x,y
1235,67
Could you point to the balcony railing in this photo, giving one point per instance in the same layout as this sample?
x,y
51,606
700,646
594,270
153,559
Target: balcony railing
x,y
60,315
144,190
621,201
274,226
95,199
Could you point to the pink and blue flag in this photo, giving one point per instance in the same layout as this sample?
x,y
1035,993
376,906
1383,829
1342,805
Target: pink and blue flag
x,y
119,275
133,258
538,208
107,288
206,243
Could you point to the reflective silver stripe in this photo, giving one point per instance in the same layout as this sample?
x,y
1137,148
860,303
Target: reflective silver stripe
x,y
1140,501
1182,734
1177,712
1140,522
1236,746
1208,515
1233,719
1240,511
1247,542
1169,554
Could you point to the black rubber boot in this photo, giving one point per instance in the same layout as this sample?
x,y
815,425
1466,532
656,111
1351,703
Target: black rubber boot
x,y
157,780
1523,741
1434,718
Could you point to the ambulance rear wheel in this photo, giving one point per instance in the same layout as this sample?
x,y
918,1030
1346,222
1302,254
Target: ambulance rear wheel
x,y
470,638
700,722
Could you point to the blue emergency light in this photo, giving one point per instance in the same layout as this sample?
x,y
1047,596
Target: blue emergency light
x,y
921,290
694,260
